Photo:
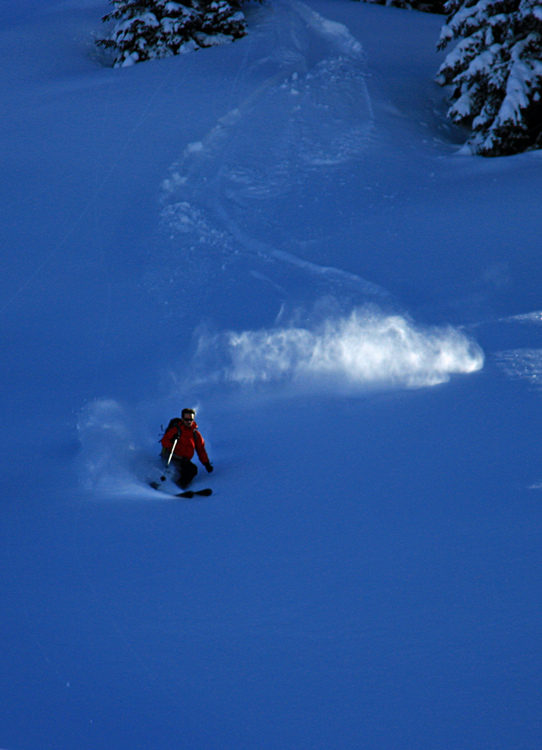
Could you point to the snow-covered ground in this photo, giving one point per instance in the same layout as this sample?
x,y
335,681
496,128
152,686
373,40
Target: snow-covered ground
x,y
282,233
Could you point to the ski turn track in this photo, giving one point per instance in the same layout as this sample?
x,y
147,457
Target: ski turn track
x,y
232,192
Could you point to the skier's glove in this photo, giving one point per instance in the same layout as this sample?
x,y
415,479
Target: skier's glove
x,y
209,466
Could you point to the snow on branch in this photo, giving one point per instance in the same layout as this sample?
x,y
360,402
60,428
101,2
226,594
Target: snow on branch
x,y
152,29
495,72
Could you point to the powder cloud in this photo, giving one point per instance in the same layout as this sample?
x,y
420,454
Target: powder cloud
x,y
362,350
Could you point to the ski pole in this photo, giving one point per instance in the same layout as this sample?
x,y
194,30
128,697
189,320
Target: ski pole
x,y
172,449
163,477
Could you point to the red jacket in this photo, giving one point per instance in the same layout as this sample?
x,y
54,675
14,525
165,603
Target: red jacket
x,y
189,442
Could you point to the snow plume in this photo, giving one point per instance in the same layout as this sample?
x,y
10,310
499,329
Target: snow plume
x,y
106,448
367,349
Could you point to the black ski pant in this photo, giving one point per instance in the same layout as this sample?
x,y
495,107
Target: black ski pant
x,y
187,471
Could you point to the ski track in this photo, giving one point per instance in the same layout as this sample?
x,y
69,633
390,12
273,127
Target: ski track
x,y
522,363
225,196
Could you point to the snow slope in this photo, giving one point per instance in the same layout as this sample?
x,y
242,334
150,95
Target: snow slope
x,y
282,233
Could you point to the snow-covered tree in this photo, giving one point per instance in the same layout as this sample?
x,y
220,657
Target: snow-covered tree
x,y
496,72
151,29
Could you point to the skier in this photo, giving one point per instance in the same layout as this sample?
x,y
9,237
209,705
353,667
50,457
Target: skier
x,y
181,440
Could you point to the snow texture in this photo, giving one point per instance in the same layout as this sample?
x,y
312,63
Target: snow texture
x,y
283,234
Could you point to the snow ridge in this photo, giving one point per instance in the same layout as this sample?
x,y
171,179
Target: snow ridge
x,y
335,32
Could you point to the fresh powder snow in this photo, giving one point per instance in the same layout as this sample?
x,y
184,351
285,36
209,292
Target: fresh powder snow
x,y
284,234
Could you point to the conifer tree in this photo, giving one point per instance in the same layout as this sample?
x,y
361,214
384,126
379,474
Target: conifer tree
x,y
151,29
496,72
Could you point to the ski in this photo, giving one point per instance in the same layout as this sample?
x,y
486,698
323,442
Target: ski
x,y
187,493
192,493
